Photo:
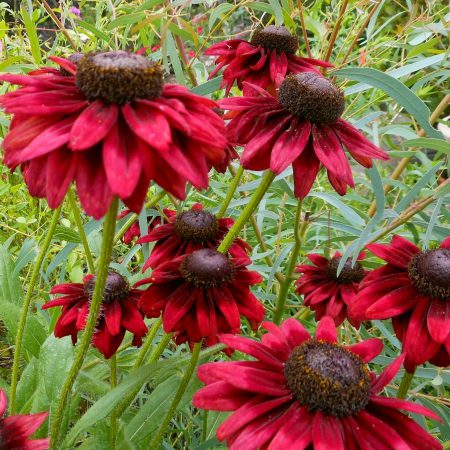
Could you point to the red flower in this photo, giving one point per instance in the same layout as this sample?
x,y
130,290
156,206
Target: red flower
x,y
189,231
413,289
108,123
263,61
201,295
325,292
119,312
308,393
15,430
301,127
135,231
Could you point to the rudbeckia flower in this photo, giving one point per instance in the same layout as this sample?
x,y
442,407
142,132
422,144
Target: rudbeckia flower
x,y
108,122
301,126
264,61
412,289
302,392
119,312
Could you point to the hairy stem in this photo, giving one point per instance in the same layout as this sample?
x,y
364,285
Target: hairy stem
x,y
79,223
231,190
266,181
102,273
147,343
299,231
159,436
405,384
26,307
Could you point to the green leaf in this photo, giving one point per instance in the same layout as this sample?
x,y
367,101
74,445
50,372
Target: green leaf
x,y
95,31
55,359
440,145
208,87
278,12
30,27
395,89
260,6
10,286
127,19
66,234
217,12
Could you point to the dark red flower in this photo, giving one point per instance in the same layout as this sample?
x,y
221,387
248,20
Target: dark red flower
x,y
16,430
191,230
308,393
201,295
264,61
135,231
301,127
119,312
109,123
325,292
413,289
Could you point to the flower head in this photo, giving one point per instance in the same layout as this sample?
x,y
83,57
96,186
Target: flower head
x,y
264,61
16,430
135,231
119,312
326,292
308,392
412,289
202,294
301,127
108,122
188,231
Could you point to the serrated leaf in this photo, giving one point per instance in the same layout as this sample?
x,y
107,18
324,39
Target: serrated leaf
x,y
396,90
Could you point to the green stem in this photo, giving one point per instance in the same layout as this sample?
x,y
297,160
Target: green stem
x,y
113,381
126,226
256,198
147,344
26,307
231,190
159,436
160,348
405,384
102,273
79,223
284,289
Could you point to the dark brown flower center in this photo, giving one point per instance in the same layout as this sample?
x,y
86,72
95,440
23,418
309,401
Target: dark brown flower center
x,y
116,287
118,77
326,377
197,226
207,268
276,38
312,97
348,273
429,272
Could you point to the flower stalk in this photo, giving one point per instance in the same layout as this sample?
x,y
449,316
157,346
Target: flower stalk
x,y
405,384
231,190
26,307
79,223
156,441
102,273
299,232
266,181
113,382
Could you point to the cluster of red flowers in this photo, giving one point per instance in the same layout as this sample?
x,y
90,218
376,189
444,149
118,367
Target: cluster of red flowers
x,y
107,122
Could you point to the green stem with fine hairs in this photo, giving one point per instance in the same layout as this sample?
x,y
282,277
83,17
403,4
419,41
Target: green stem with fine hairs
x,y
79,223
159,436
299,231
113,382
405,384
256,198
26,307
147,344
231,190
102,273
